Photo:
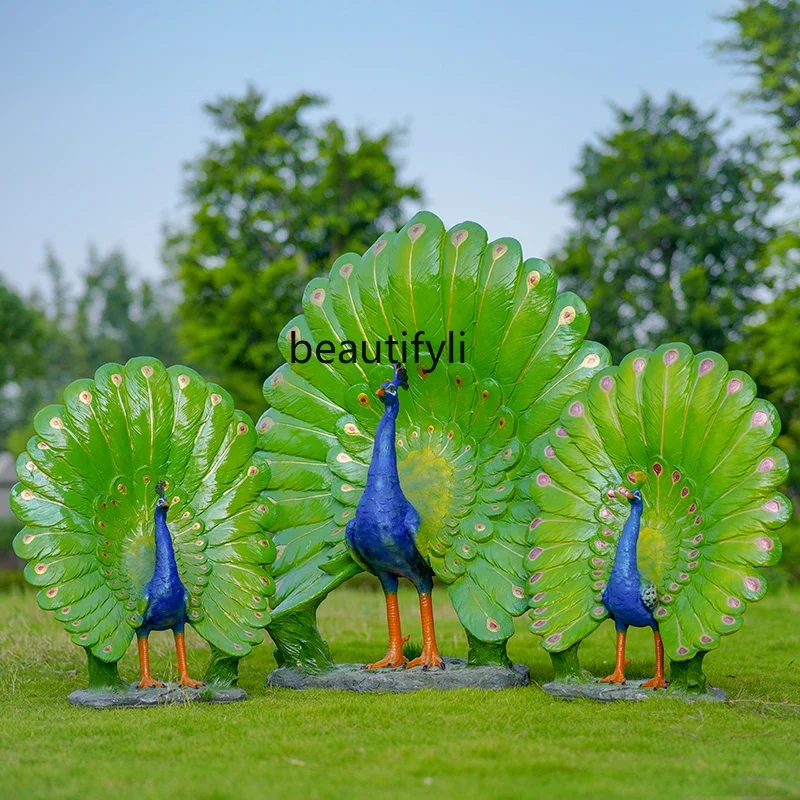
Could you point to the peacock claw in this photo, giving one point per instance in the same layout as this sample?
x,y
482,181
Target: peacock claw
x,y
190,683
426,661
149,683
655,683
389,661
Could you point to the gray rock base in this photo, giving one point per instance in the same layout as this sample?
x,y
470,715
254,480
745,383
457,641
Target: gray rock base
x,y
352,678
631,690
170,694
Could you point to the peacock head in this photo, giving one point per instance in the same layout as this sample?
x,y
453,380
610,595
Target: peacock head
x,y
388,389
162,504
635,496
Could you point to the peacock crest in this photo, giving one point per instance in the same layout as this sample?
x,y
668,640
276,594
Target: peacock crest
x,y
464,430
695,440
86,498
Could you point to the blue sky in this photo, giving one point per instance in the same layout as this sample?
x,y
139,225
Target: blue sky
x,y
101,105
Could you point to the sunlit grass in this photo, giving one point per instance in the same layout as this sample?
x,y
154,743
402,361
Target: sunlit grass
x,y
518,743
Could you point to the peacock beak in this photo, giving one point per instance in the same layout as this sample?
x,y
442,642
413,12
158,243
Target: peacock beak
x,y
625,493
381,392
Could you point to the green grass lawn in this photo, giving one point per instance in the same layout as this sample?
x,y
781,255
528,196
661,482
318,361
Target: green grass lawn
x,y
517,743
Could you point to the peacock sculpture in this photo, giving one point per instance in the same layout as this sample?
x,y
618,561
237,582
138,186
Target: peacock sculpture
x,y
492,351
381,536
137,444
657,496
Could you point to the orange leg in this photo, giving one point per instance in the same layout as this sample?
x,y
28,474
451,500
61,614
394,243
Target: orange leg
x,y
658,682
394,656
146,681
618,675
430,652
183,671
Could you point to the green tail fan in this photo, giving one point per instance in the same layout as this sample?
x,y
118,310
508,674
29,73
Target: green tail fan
x,y
86,497
699,444
513,351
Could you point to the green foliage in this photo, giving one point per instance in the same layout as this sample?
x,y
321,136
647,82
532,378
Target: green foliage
x,y
274,200
86,497
670,228
766,40
704,443
463,430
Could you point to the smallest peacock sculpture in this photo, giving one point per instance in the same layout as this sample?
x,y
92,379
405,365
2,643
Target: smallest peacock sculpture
x,y
630,599
381,536
164,601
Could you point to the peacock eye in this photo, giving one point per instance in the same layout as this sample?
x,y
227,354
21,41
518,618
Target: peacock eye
x,y
391,390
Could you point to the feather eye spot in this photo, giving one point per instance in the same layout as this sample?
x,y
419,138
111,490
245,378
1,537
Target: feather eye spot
x,y
27,538
766,465
381,246
83,637
638,365
346,270
598,611
670,357
607,383
535,523
657,469
705,366
605,513
535,553
734,602
183,381
492,625
26,494
682,651
196,526
760,418
561,432
498,251
85,397
734,385
459,381
399,442
107,648
415,231
576,409
343,458
351,429
76,623
146,480
480,527
543,479
215,398
752,584
692,508
591,361
116,379
683,576
685,492
459,237
450,434
430,428
549,452
363,399
518,592
692,565
147,371
346,487
566,316
318,297
765,543
608,533
540,610
484,395
538,597
727,619
600,544
414,435
540,623
241,428
597,562
773,506
535,577
253,470
43,445
533,279
554,638
676,476
57,423
51,593
706,639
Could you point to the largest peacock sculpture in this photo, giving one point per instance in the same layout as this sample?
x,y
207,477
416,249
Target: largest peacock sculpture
x,y
658,501
99,546
499,353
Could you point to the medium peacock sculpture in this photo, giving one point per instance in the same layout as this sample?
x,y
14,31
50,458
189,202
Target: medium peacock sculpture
x,y
658,500
142,501
500,351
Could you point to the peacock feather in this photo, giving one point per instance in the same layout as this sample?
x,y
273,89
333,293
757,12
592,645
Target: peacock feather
x,y
699,444
464,429
86,497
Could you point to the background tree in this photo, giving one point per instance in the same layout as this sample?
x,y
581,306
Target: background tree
x,y
765,39
670,228
274,199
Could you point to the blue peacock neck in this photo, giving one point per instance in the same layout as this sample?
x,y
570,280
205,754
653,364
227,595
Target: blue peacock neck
x,y
625,564
166,566
383,467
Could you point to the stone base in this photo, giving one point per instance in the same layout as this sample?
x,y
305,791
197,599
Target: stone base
x,y
630,690
169,694
352,678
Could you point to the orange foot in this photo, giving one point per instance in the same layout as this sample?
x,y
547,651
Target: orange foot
x,y
190,683
618,675
390,660
426,661
655,683
149,683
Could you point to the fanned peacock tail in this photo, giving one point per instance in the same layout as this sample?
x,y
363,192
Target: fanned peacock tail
x,y
711,506
464,429
86,497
